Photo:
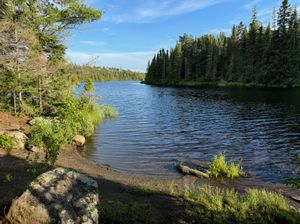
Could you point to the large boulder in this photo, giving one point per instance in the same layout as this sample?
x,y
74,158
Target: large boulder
x,y
57,196
78,140
19,139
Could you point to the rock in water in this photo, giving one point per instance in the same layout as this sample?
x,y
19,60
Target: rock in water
x,y
78,140
57,196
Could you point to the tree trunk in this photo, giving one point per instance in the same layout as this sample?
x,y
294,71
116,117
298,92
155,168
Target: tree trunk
x,y
15,101
41,94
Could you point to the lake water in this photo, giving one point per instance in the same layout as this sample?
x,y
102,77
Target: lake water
x,y
158,126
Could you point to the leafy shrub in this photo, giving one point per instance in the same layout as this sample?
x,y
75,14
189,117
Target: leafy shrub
x,y
234,170
219,167
76,115
8,178
5,141
294,182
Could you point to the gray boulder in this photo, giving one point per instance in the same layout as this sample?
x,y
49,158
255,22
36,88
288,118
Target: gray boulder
x,y
18,139
57,196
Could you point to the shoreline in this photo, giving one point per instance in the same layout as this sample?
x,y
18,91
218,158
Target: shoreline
x,y
220,84
118,186
127,188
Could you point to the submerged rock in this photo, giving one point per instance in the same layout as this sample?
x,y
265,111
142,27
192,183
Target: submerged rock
x,y
78,140
57,196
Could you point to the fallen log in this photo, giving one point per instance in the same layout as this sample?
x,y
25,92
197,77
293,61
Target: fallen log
x,y
189,171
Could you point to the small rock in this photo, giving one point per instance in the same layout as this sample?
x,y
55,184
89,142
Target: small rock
x,y
45,200
35,149
78,140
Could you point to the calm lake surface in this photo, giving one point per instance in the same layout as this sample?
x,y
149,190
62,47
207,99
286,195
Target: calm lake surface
x,y
158,126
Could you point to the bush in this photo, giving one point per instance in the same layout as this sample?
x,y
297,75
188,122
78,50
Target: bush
x,y
5,141
219,167
74,116
295,182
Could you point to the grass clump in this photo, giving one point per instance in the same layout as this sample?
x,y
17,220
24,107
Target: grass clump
x,y
296,159
123,213
220,167
5,141
208,204
295,182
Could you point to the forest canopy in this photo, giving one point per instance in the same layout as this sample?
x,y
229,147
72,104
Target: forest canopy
x,y
257,54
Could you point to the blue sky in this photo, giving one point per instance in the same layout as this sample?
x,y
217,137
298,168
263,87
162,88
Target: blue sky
x,y
132,31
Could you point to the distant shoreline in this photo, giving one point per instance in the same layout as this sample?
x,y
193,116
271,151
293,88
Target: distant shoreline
x,y
221,84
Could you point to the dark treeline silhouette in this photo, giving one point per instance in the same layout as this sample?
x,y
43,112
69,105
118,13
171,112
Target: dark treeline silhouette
x,y
102,74
253,55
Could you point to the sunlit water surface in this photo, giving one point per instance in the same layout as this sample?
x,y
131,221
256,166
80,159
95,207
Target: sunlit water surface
x,y
157,127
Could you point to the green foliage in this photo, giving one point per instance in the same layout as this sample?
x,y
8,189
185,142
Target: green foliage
x,y
8,178
214,205
102,74
74,116
256,55
235,170
294,182
296,159
5,141
49,20
131,213
219,167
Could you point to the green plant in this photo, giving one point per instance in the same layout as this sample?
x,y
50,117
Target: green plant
x,y
235,170
294,182
8,177
296,159
219,167
76,115
5,141
206,204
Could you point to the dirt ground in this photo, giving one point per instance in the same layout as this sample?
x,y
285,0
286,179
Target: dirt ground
x,y
9,122
16,172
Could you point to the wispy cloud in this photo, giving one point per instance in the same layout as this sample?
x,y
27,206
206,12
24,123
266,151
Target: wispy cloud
x,y
147,11
93,43
136,61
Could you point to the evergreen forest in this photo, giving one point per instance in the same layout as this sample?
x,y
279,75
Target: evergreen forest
x,y
253,55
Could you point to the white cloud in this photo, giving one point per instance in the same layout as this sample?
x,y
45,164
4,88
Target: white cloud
x,y
93,43
136,61
147,11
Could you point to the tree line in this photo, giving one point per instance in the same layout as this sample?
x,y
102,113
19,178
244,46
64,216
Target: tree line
x,y
102,74
253,55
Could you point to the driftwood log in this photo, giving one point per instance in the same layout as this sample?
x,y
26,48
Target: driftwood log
x,y
189,171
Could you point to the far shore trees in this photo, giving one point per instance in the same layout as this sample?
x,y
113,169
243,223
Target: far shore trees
x,y
254,55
